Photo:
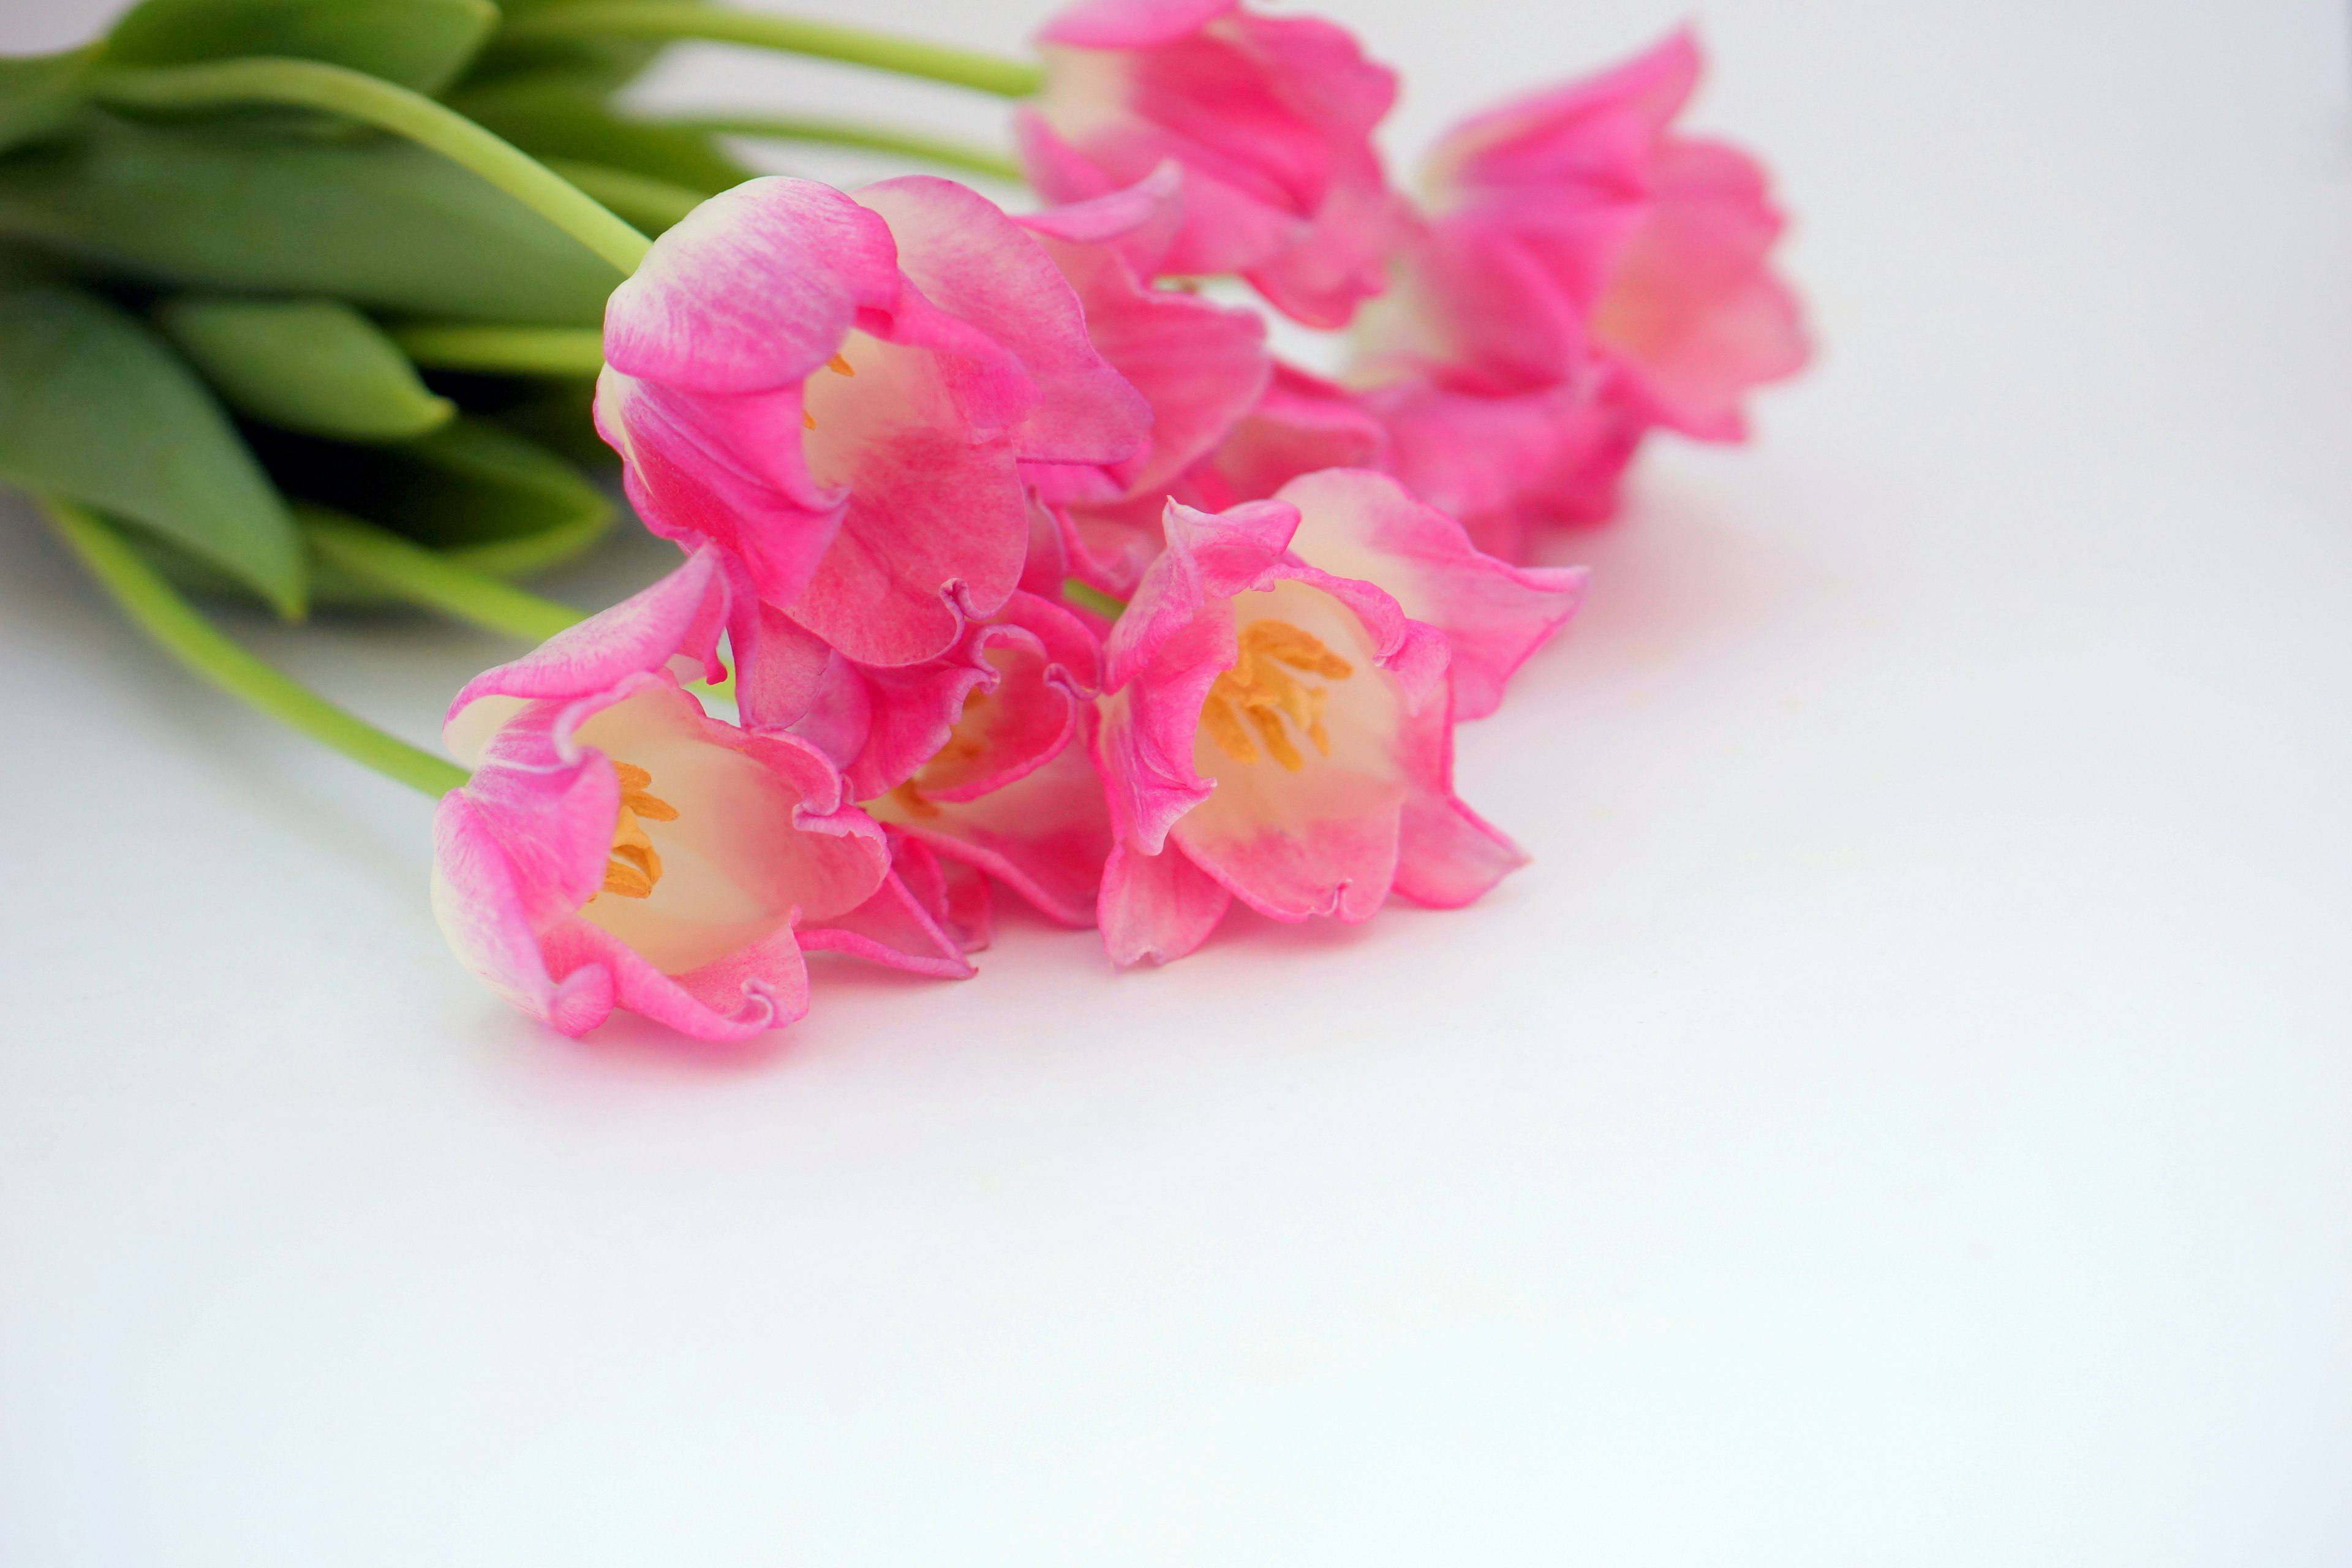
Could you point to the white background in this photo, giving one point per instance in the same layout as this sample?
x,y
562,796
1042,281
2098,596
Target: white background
x,y
1901,1118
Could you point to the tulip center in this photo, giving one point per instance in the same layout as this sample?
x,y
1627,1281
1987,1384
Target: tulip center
x,y
1264,698
632,867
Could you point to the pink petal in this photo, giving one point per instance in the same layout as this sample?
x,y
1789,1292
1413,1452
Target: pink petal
x,y
755,988
1693,311
1340,865
722,469
1494,615
953,894
984,270
1199,365
1503,465
935,528
1588,139
1448,856
481,912
681,615
892,928
753,290
1157,907
1130,23
1301,425
1044,836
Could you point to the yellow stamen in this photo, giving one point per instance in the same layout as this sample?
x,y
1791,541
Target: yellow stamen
x,y
632,867
840,366
808,420
1265,688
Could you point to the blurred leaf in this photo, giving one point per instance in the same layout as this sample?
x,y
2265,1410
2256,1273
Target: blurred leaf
x,y
96,408
558,116
378,222
598,65
332,587
560,416
469,483
42,95
420,44
313,365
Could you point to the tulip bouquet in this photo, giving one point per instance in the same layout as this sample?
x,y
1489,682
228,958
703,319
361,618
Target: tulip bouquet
x,y
1012,559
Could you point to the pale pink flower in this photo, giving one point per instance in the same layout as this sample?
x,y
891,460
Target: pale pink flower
x,y
1271,118
1584,273
842,391
615,846
1275,734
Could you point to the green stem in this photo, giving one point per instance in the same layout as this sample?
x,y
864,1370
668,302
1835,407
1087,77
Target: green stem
x,y
1093,598
646,202
425,577
790,34
847,134
310,84
512,351
160,611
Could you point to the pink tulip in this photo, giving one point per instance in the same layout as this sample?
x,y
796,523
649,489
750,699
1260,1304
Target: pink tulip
x,y
1583,273
1275,734
1271,118
617,847
841,391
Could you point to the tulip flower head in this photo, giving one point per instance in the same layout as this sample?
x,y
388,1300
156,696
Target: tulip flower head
x,y
617,846
841,390
1584,273
1276,733
1270,116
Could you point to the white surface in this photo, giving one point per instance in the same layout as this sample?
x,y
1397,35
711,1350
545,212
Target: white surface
x,y
1901,1118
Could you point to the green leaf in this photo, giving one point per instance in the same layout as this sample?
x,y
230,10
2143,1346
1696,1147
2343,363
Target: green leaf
x,y
598,65
420,44
558,116
379,222
95,407
313,365
42,95
469,483
505,561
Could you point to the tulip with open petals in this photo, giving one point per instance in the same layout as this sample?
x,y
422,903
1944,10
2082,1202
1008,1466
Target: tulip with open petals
x,y
1278,734
617,847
